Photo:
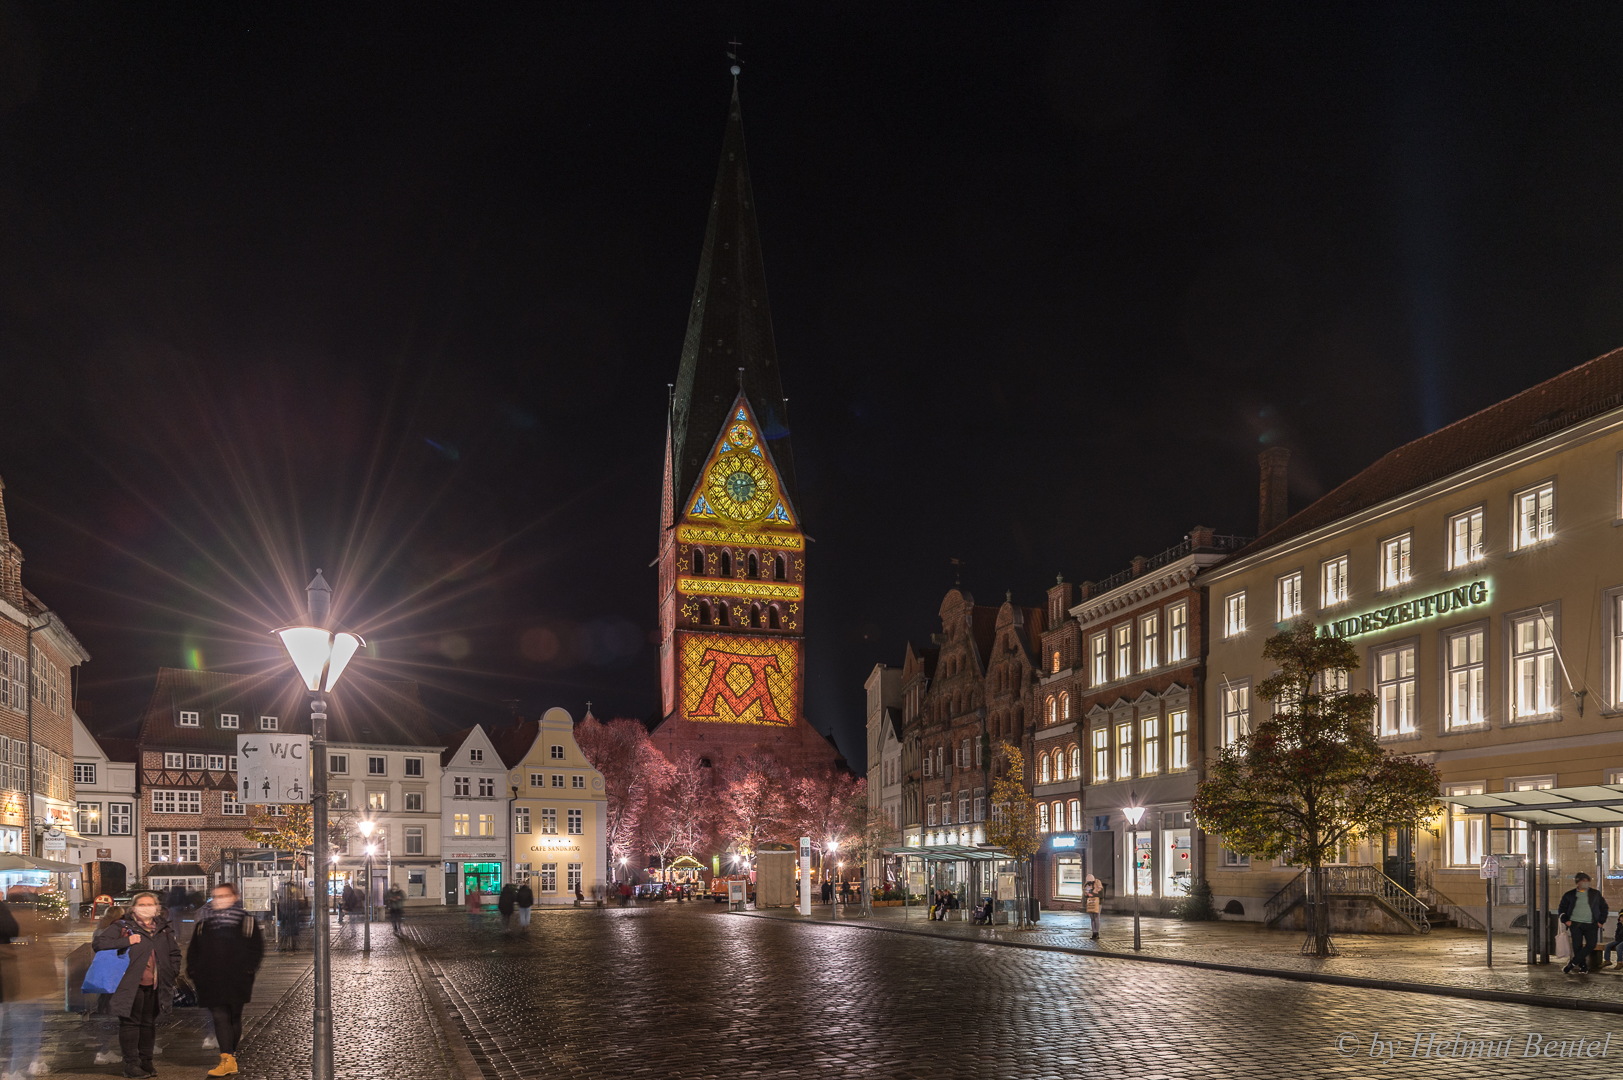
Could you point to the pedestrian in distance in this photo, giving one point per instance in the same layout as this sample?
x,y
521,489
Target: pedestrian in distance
x,y
1092,891
29,979
625,893
287,917
225,952
828,892
506,902
346,902
397,906
147,988
1615,948
525,898
580,897
176,902
471,901
1582,911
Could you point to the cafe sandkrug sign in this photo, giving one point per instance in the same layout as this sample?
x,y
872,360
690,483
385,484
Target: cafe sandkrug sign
x,y
1425,607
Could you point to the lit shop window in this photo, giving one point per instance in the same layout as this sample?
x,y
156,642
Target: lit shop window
x,y
1333,581
1177,633
1535,690
1395,568
1395,690
1234,614
1290,596
1464,538
1467,681
1535,515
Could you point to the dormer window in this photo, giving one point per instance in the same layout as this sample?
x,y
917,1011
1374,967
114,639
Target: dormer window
x,y
189,719
267,723
229,721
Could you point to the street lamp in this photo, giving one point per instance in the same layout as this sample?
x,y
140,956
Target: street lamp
x,y
366,825
1134,814
321,656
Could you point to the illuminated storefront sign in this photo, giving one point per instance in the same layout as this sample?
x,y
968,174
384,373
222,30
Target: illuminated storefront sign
x,y
1426,607
1063,842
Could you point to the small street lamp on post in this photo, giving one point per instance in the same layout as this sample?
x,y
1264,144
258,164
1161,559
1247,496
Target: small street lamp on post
x,y
366,825
321,656
1134,814
833,889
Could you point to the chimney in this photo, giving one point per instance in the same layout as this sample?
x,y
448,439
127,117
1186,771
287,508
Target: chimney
x,y
1060,601
1272,500
11,560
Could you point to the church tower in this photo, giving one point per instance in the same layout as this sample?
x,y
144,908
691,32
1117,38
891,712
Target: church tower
x,y
732,556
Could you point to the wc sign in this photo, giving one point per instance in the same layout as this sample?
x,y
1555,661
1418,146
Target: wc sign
x,y
273,769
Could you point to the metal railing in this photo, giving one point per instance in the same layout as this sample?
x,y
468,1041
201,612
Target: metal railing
x,y
1436,898
1220,542
1293,893
1351,881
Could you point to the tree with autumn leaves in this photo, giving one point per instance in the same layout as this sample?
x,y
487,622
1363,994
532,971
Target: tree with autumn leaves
x,y
1014,817
1313,777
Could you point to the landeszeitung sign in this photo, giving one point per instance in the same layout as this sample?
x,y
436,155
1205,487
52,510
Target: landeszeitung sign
x,y
1425,607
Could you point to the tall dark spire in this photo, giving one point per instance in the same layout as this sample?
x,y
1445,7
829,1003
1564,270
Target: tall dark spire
x,y
729,330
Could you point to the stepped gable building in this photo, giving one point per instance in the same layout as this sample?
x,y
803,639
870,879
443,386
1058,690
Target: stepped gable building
x,y
732,553
918,670
37,658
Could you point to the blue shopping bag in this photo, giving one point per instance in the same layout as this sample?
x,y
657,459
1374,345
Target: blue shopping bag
x,y
106,971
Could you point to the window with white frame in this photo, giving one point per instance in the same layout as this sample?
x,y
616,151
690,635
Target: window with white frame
x,y
1333,587
216,763
176,801
574,871
377,766
120,818
929,810
1516,840
1290,596
1236,712
1149,642
1234,858
963,805
1124,751
476,753
557,752
575,823
1052,708
538,779
557,779
1535,691
84,775
267,723
487,786
1076,763
1395,690
1101,754
1124,650
521,819
186,847
414,802
189,719
89,816
1149,758
1234,614
460,824
459,785
232,808
1098,660
230,721
1467,680
1177,633
414,766
549,821
1075,807
1395,563
338,799
414,839
549,877
1466,832
194,762
1535,515
487,824
1465,538
158,847
338,763
377,800
1042,817
1178,731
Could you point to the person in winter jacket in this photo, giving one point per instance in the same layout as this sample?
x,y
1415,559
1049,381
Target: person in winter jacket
x,y
506,901
525,899
226,949
1582,912
147,989
1092,893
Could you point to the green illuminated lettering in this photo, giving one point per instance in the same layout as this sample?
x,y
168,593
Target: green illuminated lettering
x,y
1479,592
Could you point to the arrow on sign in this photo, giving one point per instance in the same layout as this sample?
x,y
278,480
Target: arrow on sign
x,y
250,748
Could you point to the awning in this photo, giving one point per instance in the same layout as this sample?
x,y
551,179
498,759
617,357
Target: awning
x,y
23,862
943,852
1587,807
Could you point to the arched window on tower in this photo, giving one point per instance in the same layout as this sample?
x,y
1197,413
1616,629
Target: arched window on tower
x,y
755,616
1065,705
1042,771
1052,713
1059,765
723,616
704,613
754,566
1056,659
726,564
698,563
1076,762
773,620
780,569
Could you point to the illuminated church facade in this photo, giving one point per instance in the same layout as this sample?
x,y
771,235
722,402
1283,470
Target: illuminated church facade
x,y
732,553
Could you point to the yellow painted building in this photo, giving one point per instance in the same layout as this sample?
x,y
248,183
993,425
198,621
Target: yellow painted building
x,y
559,811
1479,571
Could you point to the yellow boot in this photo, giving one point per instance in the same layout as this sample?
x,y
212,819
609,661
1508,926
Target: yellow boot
x,y
226,1067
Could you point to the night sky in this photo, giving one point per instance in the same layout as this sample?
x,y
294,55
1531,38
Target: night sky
x,y
396,291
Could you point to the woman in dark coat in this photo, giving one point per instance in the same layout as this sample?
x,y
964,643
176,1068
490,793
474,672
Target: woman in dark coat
x,y
147,989
226,949
506,901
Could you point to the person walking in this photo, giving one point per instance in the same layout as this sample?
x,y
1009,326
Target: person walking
x,y
346,902
1615,948
397,906
225,952
287,916
471,903
828,892
176,902
1582,911
147,989
1092,891
525,898
506,902
28,980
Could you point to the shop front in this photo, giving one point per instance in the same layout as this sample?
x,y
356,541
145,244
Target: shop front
x,y
477,870
1067,870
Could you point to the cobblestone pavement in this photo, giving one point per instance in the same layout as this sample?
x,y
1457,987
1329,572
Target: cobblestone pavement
x,y
1445,957
690,991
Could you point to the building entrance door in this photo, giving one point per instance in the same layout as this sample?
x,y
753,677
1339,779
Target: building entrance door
x,y
450,885
1398,856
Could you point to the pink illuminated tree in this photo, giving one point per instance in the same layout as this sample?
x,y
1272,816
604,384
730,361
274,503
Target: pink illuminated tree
x,y
634,772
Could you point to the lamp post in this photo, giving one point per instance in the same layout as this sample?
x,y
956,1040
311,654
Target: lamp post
x,y
366,825
834,890
1134,814
320,655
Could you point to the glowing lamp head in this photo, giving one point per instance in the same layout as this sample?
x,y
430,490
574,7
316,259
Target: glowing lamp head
x,y
833,845
1134,814
366,825
371,849
320,655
